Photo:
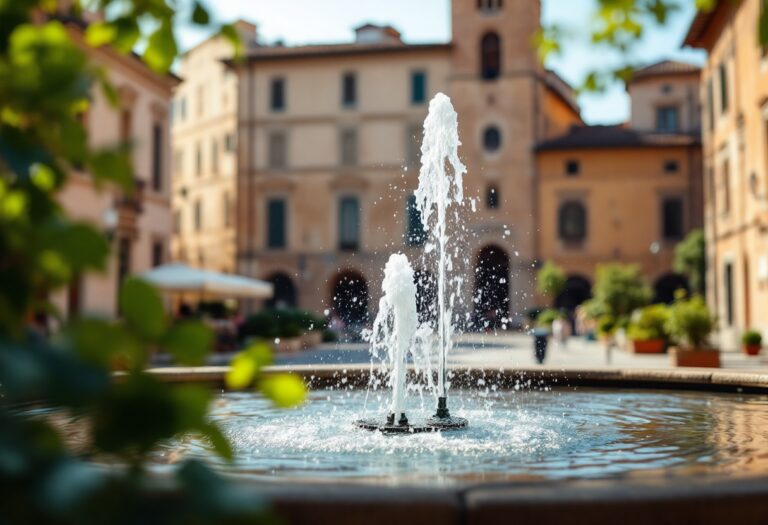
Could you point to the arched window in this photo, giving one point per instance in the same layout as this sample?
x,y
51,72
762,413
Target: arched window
x,y
572,221
490,56
491,138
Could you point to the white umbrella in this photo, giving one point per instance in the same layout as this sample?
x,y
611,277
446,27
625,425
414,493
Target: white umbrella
x,y
180,278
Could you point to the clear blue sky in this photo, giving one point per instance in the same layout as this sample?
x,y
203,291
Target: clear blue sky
x,y
315,21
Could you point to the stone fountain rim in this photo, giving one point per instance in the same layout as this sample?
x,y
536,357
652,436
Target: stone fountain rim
x,y
695,379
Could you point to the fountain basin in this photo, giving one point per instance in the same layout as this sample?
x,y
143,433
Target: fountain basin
x,y
551,494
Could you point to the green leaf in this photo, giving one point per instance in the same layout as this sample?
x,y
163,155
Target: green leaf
x,y
142,308
200,15
81,245
100,33
219,441
191,405
161,48
112,165
229,31
105,344
127,34
247,364
285,390
189,342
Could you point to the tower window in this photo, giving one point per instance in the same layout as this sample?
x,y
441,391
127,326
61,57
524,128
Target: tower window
x,y
349,223
490,56
672,218
667,120
492,197
491,139
671,166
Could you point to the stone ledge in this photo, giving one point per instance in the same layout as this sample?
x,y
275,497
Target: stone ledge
x,y
321,376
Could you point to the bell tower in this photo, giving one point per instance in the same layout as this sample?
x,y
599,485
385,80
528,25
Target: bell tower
x,y
495,85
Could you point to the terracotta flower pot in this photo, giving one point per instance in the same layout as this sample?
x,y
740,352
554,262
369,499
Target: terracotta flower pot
x,y
752,349
648,346
696,357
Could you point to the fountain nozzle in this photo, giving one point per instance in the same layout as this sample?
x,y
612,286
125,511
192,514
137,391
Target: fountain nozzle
x,y
442,420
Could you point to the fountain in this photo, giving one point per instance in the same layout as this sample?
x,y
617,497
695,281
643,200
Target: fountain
x,y
440,185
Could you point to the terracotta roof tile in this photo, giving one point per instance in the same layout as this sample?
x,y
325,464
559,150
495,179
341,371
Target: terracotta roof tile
x,y
615,137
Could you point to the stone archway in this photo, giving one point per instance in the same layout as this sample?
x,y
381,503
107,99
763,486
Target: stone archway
x,y
349,297
491,294
665,287
577,289
284,292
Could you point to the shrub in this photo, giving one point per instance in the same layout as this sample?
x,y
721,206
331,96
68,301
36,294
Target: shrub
x,y
690,322
329,336
649,323
752,337
606,324
691,259
550,280
269,324
620,289
546,317
594,309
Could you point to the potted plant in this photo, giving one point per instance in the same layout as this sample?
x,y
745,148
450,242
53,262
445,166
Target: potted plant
x,y
690,325
752,342
546,317
647,329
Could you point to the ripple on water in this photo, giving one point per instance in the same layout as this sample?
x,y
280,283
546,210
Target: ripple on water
x,y
551,435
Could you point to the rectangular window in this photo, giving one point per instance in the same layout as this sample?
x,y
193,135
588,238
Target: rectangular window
x,y
227,210
126,126
572,168
157,157
200,100
276,223
178,160
726,184
278,150
348,143
183,108
492,197
672,218
229,142
199,159
158,253
418,87
215,156
349,90
414,138
723,87
671,166
414,232
277,94
667,119
728,285
198,215
177,222
124,256
349,223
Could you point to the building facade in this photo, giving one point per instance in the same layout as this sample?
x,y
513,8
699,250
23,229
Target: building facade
x,y
328,156
734,88
139,227
204,155
627,193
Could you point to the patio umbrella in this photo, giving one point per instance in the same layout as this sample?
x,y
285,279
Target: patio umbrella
x,y
180,278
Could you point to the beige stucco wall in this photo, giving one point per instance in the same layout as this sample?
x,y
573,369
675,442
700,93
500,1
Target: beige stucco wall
x,y
738,236
679,90
208,93
622,190
149,102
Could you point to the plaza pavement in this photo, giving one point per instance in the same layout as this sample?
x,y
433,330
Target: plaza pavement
x,y
516,350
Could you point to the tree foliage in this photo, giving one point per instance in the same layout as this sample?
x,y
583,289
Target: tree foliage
x,y
551,280
620,289
46,85
691,259
690,321
620,25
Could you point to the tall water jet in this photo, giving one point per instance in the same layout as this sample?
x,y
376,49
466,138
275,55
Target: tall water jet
x,y
441,184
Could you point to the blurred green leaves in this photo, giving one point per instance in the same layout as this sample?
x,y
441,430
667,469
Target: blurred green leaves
x,y
142,308
284,390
